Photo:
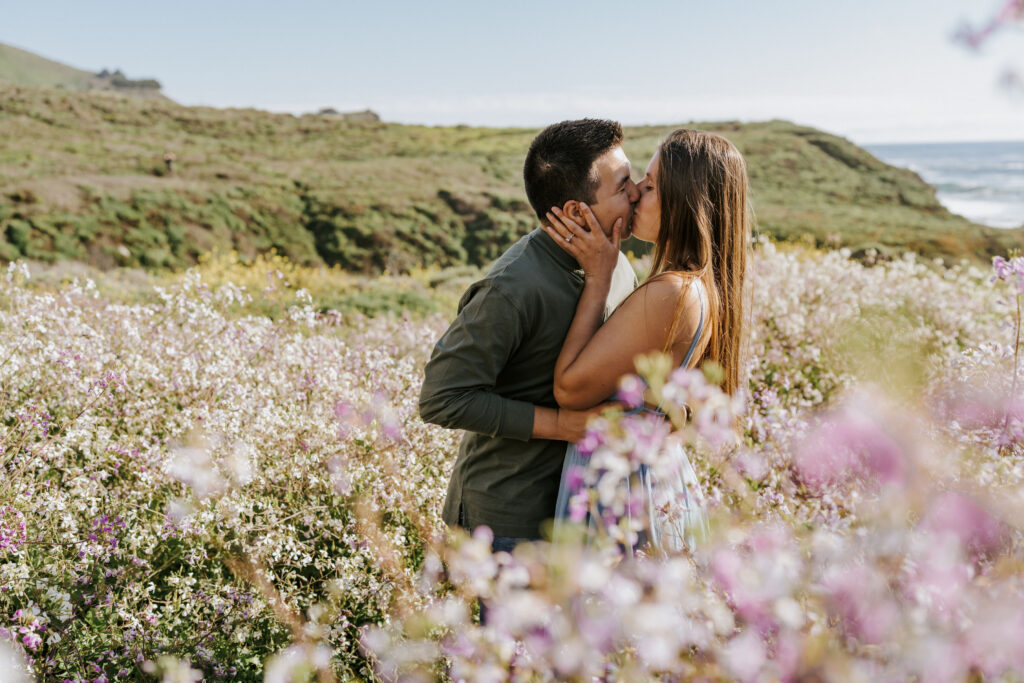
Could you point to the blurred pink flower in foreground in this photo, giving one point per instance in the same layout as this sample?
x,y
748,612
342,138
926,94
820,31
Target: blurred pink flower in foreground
x,y
744,656
757,574
995,644
12,664
957,515
860,598
1010,270
975,37
631,391
851,443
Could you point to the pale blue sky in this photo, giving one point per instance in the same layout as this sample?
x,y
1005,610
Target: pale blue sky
x,y
872,70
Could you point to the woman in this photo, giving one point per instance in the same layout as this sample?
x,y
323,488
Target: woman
x,y
693,206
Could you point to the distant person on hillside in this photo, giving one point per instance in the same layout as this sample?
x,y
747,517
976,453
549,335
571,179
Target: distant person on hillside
x,y
491,374
169,161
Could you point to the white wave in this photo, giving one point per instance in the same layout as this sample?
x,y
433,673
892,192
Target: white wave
x,y
986,212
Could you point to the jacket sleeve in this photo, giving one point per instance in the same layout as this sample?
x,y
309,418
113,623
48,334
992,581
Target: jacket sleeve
x,y
459,379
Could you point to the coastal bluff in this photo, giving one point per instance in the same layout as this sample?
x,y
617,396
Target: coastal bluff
x,y
21,67
145,182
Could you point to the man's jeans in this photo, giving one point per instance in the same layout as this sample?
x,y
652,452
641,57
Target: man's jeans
x,y
507,543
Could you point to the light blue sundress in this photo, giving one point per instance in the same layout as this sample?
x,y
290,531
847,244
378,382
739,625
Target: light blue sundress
x,y
682,522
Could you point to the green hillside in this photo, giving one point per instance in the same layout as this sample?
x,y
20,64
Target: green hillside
x,y
21,67
82,176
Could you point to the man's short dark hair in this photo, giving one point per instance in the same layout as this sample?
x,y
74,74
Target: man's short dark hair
x,y
558,164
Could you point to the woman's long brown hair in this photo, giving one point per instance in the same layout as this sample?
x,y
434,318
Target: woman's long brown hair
x,y
705,232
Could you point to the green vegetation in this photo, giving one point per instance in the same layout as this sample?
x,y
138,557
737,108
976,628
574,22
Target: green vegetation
x,y
83,176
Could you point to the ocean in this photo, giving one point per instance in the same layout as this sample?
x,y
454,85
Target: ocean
x,y
982,181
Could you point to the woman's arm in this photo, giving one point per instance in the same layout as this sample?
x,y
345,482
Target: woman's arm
x,y
594,356
639,326
598,256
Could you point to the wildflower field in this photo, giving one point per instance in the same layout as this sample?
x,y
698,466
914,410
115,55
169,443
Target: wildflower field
x,y
199,485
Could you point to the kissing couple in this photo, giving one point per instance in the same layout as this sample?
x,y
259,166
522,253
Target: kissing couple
x,y
540,343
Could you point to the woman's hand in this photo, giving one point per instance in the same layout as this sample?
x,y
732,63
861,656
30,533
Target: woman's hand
x,y
592,249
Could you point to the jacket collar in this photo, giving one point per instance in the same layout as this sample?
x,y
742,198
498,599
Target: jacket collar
x,y
561,257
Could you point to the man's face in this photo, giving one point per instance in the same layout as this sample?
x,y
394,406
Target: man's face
x,y
616,194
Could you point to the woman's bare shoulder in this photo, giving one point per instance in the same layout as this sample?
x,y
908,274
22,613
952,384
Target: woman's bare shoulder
x,y
671,304
666,289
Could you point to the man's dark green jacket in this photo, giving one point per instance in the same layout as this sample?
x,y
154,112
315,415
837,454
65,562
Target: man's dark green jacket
x,y
488,371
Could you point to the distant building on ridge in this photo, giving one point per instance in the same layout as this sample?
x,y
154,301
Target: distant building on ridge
x,y
364,116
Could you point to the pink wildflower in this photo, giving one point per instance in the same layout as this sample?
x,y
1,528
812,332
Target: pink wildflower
x,y
631,391
579,504
32,640
744,656
850,444
574,478
956,514
12,528
1011,271
858,597
750,600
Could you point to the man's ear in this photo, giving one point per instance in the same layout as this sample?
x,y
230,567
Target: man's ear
x,y
572,210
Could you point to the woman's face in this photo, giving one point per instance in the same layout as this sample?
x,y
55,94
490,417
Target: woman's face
x,y
647,213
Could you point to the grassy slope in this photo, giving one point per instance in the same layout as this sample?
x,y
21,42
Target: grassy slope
x,y
81,177
25,68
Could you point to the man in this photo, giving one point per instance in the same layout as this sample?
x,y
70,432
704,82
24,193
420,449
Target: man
x,y
491,374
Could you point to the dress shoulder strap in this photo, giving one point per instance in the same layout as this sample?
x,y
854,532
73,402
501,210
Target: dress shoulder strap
x,y
700,327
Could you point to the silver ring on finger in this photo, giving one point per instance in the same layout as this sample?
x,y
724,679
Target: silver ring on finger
x,y
569,238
